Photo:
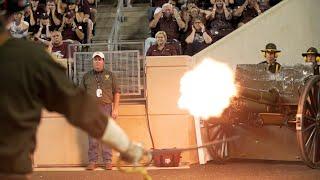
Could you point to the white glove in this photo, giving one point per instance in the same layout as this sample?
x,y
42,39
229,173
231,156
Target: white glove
x,y
115,137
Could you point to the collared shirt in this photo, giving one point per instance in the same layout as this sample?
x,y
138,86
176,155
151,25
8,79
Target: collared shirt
x,y
273,68
105,80
168,50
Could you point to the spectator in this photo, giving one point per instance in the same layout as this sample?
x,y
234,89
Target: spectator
x,y
54,17
19,28
161,48
59,48
93,10
189,14
249,10
69,29
264,5
44,32
28,15
198,39
81,9
271,54
168,20
234,4
219,20
154,6
62,6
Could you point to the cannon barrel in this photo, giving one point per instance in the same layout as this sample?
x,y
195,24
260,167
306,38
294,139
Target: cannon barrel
x,y
270,97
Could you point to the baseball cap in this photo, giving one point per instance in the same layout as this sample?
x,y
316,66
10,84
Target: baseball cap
x,y
44,16
69,14
100,54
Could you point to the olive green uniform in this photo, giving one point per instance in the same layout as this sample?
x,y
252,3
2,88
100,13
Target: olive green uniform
x,y
104,80
273,68
30,81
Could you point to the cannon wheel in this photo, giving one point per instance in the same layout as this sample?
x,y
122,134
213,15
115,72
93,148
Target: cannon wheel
x,y
218,131
308,123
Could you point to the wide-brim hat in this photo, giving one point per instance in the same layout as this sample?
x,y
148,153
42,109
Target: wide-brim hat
x,y
270,47
312,51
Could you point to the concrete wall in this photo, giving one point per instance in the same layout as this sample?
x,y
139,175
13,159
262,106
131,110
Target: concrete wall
x,y
60,144
293,25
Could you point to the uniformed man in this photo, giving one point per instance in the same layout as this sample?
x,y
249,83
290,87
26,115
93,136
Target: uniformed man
x,y
102,84
30,81
312,56
271,53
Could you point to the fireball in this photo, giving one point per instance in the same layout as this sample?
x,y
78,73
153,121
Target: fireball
x,y
207,89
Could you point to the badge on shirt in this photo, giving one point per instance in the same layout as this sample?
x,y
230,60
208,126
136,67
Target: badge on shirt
x,y
99,92
107,76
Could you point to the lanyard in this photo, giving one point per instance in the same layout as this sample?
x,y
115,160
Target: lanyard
x,y
98,80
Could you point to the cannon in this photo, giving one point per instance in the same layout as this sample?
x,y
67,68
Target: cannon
x,y
289,98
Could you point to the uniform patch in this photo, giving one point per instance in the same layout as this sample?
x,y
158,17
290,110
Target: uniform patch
x,y
107,76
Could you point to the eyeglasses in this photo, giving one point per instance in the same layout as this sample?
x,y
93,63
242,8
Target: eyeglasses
x,y
98,59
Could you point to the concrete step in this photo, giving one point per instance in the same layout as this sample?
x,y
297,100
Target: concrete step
x,y
134,26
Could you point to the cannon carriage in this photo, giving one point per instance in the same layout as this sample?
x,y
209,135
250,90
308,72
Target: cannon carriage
x,y
289,98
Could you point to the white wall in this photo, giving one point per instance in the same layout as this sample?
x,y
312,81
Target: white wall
x,y
293,25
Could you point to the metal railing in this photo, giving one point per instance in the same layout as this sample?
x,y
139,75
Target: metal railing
x,y
125,59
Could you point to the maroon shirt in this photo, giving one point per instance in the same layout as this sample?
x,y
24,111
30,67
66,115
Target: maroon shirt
x,y
168,50
68,33
170,26
62,50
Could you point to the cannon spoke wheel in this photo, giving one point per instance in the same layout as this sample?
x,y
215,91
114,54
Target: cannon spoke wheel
x,y
308,123
218,131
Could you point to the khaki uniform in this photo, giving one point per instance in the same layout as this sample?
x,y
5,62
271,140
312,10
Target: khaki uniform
x,y
273,68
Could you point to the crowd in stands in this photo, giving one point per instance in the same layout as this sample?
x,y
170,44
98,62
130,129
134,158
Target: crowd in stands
x,y
188,26
56,23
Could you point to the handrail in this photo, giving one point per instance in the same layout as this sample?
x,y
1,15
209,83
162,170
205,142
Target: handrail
x,y
114,34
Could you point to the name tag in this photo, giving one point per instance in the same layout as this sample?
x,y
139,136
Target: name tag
x,y
99,92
